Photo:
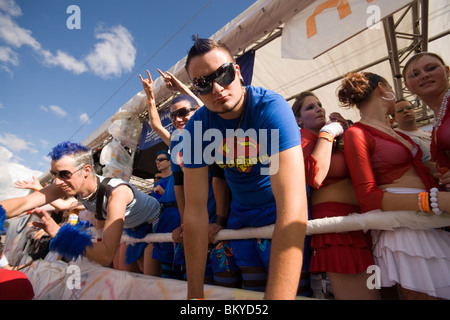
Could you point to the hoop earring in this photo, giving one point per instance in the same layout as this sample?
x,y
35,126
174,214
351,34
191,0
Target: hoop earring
x,y
393,97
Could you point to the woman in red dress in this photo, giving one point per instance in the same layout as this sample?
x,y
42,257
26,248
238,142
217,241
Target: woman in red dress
x,y
346,256
427,76
388,174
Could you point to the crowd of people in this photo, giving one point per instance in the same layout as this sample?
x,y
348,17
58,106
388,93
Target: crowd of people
x,y
300,165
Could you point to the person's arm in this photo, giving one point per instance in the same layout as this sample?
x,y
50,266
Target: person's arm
x,y
173,84
16,206
222,196
105,251
321,155
286,255
177,233
58,204
153,115
195,234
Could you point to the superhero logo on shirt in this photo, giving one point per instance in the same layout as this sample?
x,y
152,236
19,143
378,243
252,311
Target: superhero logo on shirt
x,y
240,152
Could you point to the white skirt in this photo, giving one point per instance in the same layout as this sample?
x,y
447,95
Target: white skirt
x,y
418,260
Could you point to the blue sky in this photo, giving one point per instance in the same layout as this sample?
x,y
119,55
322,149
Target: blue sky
x,y
53,79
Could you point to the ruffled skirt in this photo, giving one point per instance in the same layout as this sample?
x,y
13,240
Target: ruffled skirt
x,y
346,252
418,260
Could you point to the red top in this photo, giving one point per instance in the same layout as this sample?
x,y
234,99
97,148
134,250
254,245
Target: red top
x,y
440,142
14,285
376,158
338,167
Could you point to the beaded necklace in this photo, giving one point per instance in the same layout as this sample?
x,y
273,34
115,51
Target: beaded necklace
x,y
442,111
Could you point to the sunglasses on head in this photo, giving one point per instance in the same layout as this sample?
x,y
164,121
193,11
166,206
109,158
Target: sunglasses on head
x,y
223,76
64,174
182,112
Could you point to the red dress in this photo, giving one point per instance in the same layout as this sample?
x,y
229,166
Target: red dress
x,y
347,252
440,142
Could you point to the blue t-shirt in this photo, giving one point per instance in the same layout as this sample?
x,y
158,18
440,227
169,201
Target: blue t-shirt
x,y
268,127
161,182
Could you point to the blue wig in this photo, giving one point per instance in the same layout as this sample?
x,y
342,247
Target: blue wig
x,y
71,241
67,148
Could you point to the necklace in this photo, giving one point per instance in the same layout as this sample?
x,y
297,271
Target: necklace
x,y
90,196
442,111
385,129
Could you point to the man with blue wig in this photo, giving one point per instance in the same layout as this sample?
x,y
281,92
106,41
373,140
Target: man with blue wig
x,y
123,207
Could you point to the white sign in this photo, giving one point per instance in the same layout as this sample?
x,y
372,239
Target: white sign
x,y
326,23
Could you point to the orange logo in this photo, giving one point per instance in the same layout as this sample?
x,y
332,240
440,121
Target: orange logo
x,y
343,9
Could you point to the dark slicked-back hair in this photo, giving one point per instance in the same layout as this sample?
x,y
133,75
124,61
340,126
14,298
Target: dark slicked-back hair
x,y
202,46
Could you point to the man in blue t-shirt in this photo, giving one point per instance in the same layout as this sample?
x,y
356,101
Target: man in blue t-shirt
x,y
252,133
164,166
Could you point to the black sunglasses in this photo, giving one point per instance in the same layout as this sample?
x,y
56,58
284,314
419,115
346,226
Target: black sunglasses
x,y
161,159
64,174
182,112
224,75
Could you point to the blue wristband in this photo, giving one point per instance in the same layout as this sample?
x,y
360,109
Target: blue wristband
x,y
71,241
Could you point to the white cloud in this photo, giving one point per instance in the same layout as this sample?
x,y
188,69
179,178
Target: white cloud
x,y
11,172
16,144
15,35
60,112
114,55
84,118
64,60
10,7
7,55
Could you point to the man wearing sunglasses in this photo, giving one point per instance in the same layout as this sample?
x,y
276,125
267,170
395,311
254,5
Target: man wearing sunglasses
x,y
124,207
257,199
163,165
222,269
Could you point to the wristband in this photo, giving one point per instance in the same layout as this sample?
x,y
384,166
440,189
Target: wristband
x,y
334,128
38,188
2,218
71,241
423,196
327,136
434,201
419,202
150,101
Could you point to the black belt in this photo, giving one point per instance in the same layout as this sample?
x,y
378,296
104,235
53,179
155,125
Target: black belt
x,y
164,205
